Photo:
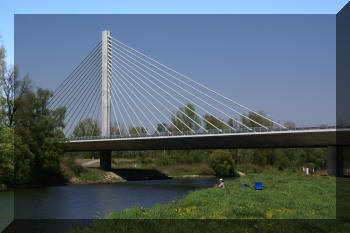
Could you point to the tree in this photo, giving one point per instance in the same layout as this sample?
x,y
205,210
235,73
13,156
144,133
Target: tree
x,y
222,163
186,118
289,124
2,80
9,83
11,89
116,129
162,127
232,123
137,130
259,119
213,121
87,127
6,155
318,156
23,162
38,138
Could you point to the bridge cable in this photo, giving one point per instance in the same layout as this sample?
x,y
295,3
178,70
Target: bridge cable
x,y
185,91
125,79
93,114
161,95
69,78
112,107
76,84
164,97
87,94
127,113
175,92
81,112
188,78
171,96
133,126
118,84
81,75
83,87
116,120
121,115
142,104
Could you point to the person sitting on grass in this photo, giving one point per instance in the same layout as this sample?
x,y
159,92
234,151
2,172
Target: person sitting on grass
x,y
221,184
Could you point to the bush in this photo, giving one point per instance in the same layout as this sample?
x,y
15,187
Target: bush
x,y
222,163
145,160
6,155
165,160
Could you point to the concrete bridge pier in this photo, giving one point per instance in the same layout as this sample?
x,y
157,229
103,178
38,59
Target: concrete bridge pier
x,y
105,160
105,155
335,161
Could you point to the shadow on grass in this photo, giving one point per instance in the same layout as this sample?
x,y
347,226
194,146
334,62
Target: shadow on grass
x,y
140,174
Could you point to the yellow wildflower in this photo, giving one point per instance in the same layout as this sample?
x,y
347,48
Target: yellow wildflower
x,y
268,214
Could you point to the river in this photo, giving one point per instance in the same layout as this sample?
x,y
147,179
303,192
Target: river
x,y
89,201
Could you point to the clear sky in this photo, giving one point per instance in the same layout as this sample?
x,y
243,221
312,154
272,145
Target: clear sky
x,y
282,64
10,7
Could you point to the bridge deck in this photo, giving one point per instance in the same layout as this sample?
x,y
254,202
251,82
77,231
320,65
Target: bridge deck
x,y
272,139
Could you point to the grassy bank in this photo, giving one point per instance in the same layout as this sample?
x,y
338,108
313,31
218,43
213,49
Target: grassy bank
x,y
178,170
284,196
77,174
74,172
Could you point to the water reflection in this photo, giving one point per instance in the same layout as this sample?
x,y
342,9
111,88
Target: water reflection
x,y
6,209
92,200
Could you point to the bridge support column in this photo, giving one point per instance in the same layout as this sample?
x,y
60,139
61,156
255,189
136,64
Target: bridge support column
x,y
335,161
106,98
105,160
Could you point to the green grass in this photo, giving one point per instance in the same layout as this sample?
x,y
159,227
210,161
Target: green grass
x,y
81,174
287,203
175,171
180,170
91,174
282,197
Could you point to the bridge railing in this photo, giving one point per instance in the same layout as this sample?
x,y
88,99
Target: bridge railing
x,y
211,131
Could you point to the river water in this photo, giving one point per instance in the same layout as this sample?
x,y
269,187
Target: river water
x,y
90,201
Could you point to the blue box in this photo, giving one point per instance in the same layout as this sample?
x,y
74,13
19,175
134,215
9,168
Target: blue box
x,y
258,185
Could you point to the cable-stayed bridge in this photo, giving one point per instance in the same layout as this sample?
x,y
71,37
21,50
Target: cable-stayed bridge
x,y
119,98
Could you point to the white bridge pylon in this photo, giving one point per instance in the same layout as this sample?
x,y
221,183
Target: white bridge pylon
x,y
124,92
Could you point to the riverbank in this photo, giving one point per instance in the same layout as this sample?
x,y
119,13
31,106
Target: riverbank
x,y
86,171
283,197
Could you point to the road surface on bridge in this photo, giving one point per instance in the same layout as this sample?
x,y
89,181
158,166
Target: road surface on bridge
x,y
272,139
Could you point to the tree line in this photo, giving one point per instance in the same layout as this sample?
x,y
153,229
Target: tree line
x,y
186,118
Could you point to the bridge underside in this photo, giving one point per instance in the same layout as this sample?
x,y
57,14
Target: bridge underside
x,y
250,140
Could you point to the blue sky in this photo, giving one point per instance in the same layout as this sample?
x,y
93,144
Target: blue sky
x,y
9,8
283,65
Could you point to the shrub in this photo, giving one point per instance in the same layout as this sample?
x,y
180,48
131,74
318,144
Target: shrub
x,y
145,160
165,160
222,163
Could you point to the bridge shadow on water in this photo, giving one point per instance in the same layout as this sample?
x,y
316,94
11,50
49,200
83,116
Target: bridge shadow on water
x,y
130,174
